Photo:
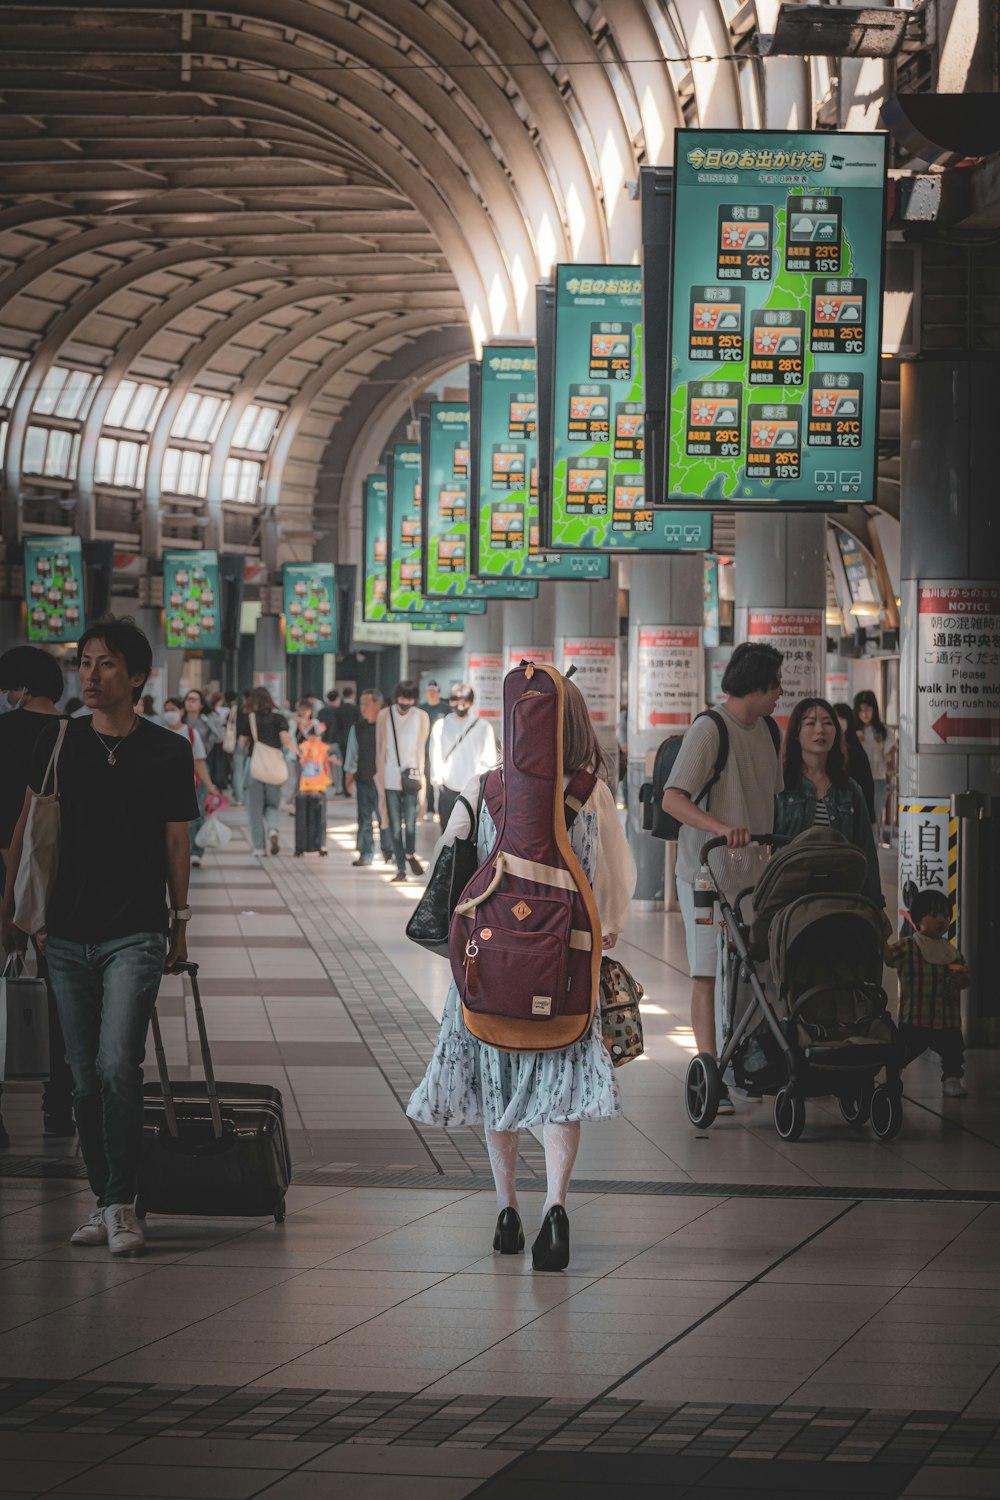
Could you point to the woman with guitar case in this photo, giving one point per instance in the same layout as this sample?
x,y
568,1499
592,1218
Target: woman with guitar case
x,y
520,1044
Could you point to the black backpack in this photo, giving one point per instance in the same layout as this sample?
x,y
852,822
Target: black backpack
x,y
654,820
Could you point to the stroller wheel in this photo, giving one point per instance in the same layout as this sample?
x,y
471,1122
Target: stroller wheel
x,y
789,1114
856,1104
887,1112
702,1089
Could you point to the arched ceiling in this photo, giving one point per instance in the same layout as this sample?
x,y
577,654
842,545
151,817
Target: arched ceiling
x,y
272,201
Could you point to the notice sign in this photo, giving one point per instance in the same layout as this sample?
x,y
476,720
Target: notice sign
x,y
484,674
798,635
544,655
596,675
668,677
958,665
928,854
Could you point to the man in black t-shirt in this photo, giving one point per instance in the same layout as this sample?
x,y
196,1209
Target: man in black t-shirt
x,y
126,796
434,709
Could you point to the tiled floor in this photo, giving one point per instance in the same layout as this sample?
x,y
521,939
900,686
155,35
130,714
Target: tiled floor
x,y
738,1315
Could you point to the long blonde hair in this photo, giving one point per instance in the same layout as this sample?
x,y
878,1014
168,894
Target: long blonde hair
x,y
581,749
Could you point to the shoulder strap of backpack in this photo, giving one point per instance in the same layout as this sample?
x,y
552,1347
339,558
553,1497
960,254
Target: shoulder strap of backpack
x,y
722,754
578,791
774,732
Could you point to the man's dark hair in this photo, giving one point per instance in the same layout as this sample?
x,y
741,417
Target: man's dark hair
x,y
32,668
332,696
72,704
125,638
347,693
406,690
751,669
929,903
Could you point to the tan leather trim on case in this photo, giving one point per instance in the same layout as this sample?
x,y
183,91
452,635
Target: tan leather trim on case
x,y
527,1036
582,940
530,869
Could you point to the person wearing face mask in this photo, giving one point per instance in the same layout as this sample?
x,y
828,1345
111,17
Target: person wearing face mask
x,y
32,681
175,719
400,742
462,747
817,792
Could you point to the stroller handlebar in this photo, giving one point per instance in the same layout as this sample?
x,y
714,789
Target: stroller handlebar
x,y
769,840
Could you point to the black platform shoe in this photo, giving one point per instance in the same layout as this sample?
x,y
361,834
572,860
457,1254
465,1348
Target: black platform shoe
x,y
509,1238
550,1252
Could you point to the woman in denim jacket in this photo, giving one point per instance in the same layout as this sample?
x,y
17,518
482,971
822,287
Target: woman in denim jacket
x,y
818,790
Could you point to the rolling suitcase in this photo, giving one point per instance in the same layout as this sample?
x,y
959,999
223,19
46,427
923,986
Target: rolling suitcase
x,y
218,1151
310,823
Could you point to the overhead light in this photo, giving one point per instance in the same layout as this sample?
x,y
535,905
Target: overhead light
x,y
866,611
834,31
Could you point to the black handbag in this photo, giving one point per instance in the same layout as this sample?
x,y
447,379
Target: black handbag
x,y
409,776
453,869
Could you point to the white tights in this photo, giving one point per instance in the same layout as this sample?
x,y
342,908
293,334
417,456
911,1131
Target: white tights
x,y
561,1143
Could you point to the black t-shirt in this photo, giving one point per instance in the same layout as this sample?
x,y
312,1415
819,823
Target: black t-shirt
x,y
348,714
112,876
328,717
269,727
19,733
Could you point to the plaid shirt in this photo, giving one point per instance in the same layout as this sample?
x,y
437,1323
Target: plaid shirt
x,y
928,993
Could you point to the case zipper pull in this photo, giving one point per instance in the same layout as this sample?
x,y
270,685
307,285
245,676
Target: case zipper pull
x,y
472,968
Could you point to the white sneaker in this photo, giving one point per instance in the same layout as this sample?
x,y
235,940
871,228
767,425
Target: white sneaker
x,y
125,1234
92,1231
952,1089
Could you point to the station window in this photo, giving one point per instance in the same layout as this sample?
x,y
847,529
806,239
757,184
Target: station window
x,y
241,480
135,405
65,393
11,371
256,428
199,418
185,472
120,463
51,451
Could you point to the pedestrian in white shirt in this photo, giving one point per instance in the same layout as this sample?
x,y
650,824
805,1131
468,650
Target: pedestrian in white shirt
x,y
400,742
463,746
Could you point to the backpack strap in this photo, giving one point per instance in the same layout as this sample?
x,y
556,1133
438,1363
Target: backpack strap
x,y
722,754
581,785
492,795
774,732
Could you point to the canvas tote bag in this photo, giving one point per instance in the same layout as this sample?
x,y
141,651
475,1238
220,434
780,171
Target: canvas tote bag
x,y
267,762
36,873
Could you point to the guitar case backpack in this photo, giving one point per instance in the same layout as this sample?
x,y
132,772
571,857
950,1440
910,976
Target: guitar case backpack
x,y
525,938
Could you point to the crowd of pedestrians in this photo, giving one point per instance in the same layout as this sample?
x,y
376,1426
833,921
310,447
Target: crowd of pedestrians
x,y
133,784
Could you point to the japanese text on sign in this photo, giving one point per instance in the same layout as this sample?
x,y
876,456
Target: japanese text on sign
x,y
928,853
596,662
484,674
798,635
958,665
668,677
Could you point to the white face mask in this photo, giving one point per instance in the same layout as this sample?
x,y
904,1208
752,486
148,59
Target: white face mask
x,y
171,718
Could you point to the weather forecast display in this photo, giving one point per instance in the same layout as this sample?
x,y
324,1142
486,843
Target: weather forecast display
x,y
310,608
505,533
53,589
598,436
191,607
446,519
775,362
405,499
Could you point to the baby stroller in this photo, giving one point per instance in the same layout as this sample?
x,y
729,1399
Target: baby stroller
x,y
803,1008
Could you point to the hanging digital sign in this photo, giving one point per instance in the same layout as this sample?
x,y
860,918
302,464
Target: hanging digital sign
x,y
374,596
446,518
310,608
776,301
191,600
53,589
404,537
598,429
506,539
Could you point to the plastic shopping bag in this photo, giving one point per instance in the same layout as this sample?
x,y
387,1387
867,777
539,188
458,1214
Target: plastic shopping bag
x,y
213,833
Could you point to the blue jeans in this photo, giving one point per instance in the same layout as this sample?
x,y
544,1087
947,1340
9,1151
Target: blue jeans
x,y
105,993
402,808
263,805
241,761
367,810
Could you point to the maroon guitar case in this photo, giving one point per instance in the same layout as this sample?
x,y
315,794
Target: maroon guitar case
x,y
525,939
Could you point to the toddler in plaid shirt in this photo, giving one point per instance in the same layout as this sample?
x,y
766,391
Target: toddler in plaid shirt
x,y
932,973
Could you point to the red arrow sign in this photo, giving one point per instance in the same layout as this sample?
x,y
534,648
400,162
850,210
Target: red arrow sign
x,y
947,728
658,719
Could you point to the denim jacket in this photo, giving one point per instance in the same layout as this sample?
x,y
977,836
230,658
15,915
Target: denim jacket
x,y
795,811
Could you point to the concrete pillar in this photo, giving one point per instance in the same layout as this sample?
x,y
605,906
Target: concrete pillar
x,y
949,661
781,596
529,623
270,660
483,663
586,635
664,592
167,665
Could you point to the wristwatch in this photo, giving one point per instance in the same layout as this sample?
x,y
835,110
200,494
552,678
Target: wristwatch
x,y
180,913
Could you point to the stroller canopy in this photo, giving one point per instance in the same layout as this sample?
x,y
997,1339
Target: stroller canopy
x,y
819,861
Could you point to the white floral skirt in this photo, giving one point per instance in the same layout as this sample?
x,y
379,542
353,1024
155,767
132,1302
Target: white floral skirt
x,y
470,1083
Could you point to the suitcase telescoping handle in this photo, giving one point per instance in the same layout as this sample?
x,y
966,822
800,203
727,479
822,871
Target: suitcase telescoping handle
x,y
191,970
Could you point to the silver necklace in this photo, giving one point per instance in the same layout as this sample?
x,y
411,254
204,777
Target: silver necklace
x,y
107,747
